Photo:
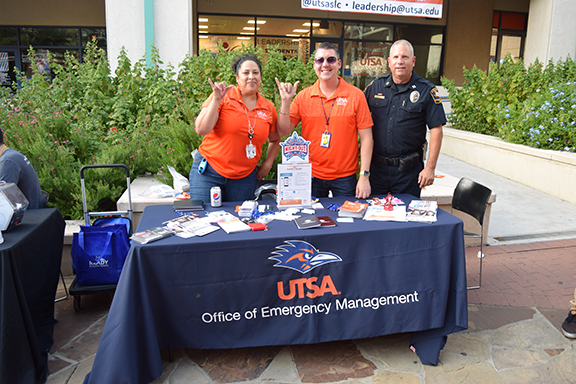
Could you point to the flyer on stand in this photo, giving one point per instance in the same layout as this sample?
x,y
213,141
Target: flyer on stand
x,y
294,185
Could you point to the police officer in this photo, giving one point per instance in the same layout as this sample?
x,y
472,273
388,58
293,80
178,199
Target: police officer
x,y
402,105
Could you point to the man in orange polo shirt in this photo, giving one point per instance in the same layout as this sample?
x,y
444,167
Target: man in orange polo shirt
x,y
333,115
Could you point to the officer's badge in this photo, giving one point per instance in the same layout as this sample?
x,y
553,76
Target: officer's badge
x,y
414,96
435,95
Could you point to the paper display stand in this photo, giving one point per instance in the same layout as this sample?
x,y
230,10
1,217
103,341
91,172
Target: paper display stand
x,y
294,174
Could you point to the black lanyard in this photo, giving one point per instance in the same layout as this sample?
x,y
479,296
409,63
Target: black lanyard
x,y
329,114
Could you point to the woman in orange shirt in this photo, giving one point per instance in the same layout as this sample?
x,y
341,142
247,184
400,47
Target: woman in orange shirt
x,y
235,122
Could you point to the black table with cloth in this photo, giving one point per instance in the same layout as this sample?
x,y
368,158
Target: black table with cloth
x,y
223,290
29,265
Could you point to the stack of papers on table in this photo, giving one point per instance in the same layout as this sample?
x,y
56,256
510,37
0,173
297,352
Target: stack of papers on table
x,y
378,213
151,235
352,209
422,210
232,224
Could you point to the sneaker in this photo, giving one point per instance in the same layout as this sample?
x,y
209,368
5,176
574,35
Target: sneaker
x,y
569,325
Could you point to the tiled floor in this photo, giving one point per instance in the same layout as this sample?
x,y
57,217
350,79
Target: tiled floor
x,y
525,291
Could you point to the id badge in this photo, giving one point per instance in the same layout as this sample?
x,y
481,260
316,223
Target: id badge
x,y
250,151
325,139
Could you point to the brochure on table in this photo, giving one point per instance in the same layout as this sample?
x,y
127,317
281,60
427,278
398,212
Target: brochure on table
x,y
294,174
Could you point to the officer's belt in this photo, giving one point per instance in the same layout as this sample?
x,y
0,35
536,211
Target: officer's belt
x,y
386,160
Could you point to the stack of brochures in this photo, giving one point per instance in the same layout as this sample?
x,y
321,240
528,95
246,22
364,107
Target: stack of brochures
x,y
151,235
352,209
378,213
191,225
232,224
422,211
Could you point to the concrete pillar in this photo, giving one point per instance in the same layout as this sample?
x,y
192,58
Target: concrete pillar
x,y
136,24
551,32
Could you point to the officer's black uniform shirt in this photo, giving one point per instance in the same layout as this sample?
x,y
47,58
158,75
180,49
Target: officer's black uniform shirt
x,y
401,112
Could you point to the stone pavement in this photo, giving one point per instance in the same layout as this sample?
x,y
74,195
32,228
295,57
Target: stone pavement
x,y
513,332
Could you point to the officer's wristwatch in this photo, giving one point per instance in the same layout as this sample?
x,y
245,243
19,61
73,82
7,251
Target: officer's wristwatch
x,y
365,173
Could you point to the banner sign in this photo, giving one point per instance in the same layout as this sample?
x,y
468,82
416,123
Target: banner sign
x,y
419,8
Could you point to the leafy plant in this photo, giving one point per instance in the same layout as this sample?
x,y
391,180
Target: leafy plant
x,y
534,106
142,116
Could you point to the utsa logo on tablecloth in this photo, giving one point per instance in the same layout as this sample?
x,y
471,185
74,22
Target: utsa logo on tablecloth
x,y
303,257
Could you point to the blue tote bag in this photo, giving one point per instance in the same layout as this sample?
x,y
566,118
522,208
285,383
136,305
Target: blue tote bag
x,y
98,254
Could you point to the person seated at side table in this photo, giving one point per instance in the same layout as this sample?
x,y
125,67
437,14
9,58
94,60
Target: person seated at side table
x,y
16,168
235,122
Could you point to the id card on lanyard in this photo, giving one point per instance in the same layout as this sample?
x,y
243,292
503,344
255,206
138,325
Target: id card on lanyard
x,y
326,135
325,139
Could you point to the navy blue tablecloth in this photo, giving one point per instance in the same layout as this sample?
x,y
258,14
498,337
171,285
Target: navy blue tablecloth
x,y
29,266
352,281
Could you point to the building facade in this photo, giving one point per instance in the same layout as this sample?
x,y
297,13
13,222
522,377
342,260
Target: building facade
x,y
463,33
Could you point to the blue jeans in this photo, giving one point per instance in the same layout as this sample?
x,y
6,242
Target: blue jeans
x,y
232,189
343,186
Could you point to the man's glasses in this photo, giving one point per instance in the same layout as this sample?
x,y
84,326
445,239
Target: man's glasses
x,y
329,60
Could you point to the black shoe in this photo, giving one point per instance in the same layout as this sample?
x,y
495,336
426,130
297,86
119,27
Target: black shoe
x,y
569,325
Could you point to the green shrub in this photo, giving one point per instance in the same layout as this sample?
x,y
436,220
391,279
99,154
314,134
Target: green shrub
x,y
534,106
143,117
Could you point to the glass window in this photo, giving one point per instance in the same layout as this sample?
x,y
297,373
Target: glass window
x,y
98,33
229,43
512,45
283,27
508,34
41,61
327,28
8,36
514,21
365,45
421,34
428,59
52,37
232,25
7,66
289,47
364,61
364,31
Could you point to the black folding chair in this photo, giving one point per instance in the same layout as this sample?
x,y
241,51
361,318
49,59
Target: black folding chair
x,y
471,198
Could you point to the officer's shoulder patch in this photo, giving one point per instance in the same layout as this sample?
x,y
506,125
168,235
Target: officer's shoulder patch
x,y
435,95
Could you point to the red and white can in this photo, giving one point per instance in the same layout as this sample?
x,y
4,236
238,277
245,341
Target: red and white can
x,y
215,196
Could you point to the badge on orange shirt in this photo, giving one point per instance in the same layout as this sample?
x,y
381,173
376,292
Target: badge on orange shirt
x,y
325,139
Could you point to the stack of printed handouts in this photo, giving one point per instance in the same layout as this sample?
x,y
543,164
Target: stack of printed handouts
x,y
379,213
191,225
231,224
422,210
352,209
151,235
